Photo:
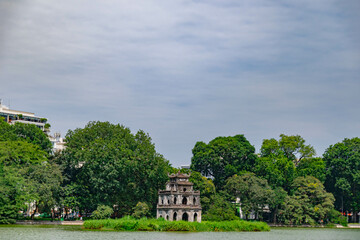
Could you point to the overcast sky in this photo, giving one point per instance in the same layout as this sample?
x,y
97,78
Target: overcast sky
x,y
187,71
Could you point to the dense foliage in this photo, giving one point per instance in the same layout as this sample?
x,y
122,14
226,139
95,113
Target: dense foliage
x,y
141,210
108,171
131,224
310,203
27,176
343,174
102,212
284,184
107,164
220,209
254,192
223,157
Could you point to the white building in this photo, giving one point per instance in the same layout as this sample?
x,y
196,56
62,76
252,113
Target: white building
x,y
57,142
13,116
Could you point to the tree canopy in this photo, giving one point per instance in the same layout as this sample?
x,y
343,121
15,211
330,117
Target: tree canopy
x,y
255,193
107,167
107,164
290,147
343,173
310,203
223,157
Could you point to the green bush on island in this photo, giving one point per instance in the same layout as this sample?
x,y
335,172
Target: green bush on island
x,y
144,224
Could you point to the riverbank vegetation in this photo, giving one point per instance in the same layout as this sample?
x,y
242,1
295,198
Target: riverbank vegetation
x,y
144,224
106,166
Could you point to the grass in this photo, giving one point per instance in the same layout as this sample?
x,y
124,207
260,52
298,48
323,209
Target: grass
x,y
131,224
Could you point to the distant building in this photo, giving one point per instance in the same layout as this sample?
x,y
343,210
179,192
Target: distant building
x,y
179,201
13,116
57,142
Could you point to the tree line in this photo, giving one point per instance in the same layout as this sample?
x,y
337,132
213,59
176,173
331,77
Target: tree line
x,y
285,183
106,164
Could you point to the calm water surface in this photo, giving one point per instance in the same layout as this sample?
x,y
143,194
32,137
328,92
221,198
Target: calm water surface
x,y
70,233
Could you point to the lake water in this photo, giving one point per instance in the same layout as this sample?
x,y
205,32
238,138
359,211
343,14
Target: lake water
x,y
65,232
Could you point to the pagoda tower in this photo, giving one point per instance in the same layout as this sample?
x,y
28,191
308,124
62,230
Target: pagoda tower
x,y
179,201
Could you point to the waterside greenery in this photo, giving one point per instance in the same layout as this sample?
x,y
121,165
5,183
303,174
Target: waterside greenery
x,y
144,224
108,171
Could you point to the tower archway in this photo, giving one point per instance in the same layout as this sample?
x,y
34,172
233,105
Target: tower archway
x,y
185,217
175,216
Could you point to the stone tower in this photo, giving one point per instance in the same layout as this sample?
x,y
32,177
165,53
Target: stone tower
x,y
179,201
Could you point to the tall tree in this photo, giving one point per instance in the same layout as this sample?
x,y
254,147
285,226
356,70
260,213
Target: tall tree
x,y
17,160
26,132
291,147
254,193
343,174
46,186
310,203
206,188
279,160
312,167
108,165
223,157
32,134
278,171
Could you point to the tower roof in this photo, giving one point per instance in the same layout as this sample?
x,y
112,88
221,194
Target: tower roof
x,y
179,175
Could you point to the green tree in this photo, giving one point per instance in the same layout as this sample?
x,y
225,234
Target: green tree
x,y
26,132
254,193
112,166
220,210
223,157
206,188
310,203
275,204
13,193
6,133
343,174
278,171
102,212
280,158
21,154
290,147
18,159
68,197
312,167
141,210
46,186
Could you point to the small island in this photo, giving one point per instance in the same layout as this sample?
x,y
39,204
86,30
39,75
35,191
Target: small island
x,y
144,224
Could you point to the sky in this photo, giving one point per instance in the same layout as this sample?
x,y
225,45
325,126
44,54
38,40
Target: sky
x,y
186,71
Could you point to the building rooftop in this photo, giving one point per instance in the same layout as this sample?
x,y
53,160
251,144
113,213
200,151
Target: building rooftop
x,y
12,116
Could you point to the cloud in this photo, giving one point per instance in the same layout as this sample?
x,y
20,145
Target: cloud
x,y
186,71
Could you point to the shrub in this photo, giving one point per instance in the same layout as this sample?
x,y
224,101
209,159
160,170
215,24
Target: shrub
x,y
102,212
140,210
336,217
131,224
220,210
94,224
